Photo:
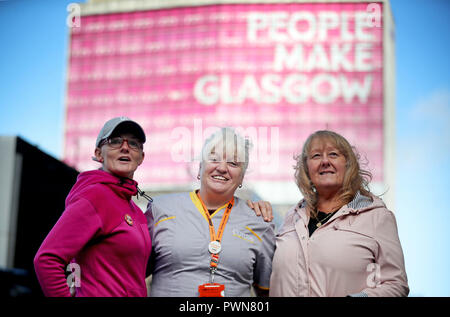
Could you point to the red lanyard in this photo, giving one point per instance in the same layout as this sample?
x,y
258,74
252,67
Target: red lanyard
x,y
215,246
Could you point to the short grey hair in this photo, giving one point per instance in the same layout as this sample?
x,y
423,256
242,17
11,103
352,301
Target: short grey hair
x,y
232,142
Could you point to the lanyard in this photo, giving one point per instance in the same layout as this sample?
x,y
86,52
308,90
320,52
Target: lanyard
x,y
214,245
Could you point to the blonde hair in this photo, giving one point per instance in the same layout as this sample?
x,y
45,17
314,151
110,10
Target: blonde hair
x,y
355,178
232,143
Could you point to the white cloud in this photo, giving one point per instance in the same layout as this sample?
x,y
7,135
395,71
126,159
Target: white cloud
x,y
435,108
426,135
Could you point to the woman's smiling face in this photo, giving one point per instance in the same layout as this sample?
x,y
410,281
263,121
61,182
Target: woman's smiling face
x,y
326,165
221,174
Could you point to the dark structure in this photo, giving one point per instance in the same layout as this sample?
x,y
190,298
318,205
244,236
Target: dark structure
x,y
39,186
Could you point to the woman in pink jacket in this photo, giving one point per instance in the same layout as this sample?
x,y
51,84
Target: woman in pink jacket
x,y
102,236
340,240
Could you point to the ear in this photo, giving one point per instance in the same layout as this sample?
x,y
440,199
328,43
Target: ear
x,y
142,159
242,176
98,155
199,171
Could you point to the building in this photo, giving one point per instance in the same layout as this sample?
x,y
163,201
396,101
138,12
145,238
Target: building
x,y
278,70
33,190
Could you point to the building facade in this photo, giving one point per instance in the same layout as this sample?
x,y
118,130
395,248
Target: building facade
x,y
275,70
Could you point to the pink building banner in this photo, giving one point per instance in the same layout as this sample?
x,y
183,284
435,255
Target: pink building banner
x,y
276,71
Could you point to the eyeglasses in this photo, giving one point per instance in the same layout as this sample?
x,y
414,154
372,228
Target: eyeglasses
x,y
117,143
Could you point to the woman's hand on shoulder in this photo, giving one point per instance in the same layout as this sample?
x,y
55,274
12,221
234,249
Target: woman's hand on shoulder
x,y
262,208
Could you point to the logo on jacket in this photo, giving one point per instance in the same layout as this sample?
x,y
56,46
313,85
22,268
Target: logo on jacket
x,y
128,219
243,236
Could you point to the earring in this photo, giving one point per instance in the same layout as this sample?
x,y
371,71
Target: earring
x,y
198,176
240,186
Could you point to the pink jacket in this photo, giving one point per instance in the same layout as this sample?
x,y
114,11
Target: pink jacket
x,y
103,232
357,252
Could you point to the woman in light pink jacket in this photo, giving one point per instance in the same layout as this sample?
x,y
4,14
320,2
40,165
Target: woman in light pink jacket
x,y
340,240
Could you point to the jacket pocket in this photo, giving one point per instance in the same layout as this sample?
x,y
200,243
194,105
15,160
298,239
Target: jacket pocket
x,y
341,226
356,240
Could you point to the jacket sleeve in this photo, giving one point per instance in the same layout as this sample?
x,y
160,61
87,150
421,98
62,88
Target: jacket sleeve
x,y
387,277
78,224
263,266
149,214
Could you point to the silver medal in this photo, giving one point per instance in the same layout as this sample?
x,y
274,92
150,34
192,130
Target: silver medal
x,y
214,247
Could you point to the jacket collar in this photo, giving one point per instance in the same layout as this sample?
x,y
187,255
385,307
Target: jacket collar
x,y
124,187
359,204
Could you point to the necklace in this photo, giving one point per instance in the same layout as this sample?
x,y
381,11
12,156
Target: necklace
x,y
321,222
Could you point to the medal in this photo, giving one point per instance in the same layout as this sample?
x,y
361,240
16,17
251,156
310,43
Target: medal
x,y
214,247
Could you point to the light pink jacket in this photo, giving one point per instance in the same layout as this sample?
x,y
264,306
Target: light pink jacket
x,y
357,252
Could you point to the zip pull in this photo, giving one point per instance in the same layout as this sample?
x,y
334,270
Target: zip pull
x,y
143,194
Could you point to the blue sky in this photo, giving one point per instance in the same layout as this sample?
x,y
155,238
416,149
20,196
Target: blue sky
x,y
34,37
